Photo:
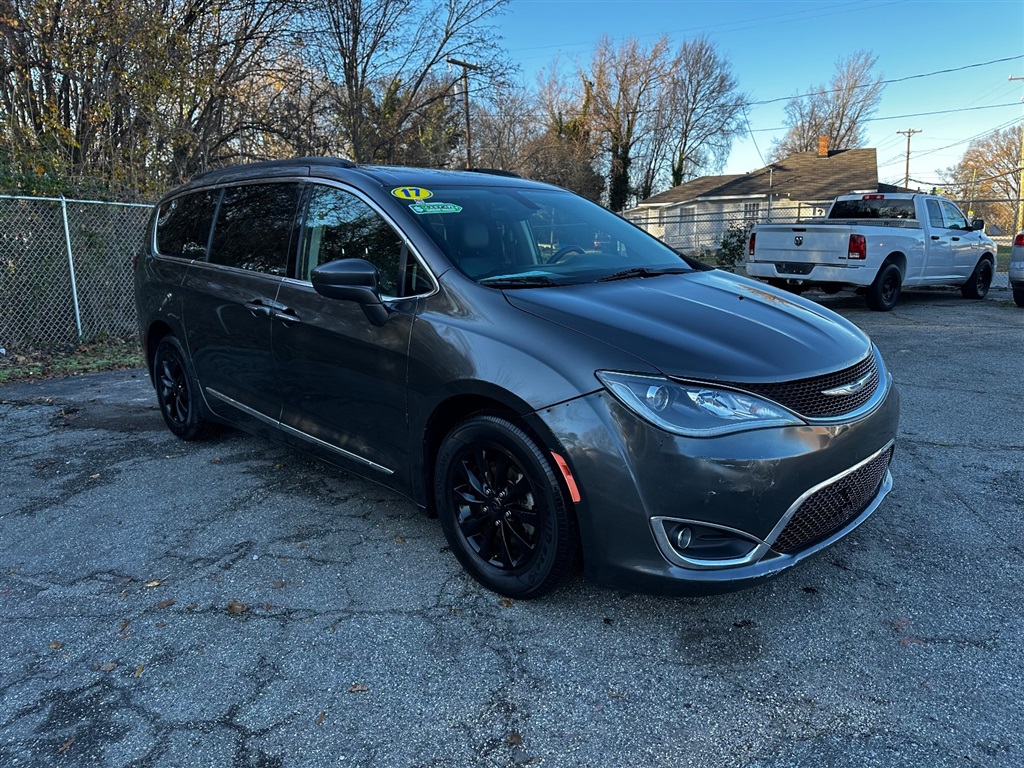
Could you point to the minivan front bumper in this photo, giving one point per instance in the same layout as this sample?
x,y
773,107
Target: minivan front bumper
x,y
747,505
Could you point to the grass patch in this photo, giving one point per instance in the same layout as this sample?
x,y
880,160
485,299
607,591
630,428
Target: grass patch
x,y
100,355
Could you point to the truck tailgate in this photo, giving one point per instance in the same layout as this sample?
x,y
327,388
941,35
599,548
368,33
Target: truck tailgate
x,y
802,243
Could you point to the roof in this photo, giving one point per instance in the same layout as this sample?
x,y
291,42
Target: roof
x,y
340,168
801,177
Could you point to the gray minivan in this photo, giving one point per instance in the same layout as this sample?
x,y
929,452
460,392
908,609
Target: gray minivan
x,y
554,384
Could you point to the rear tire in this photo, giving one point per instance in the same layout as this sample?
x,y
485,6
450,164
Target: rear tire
x,y
884,292
978,283
1018,297
503,509
177,391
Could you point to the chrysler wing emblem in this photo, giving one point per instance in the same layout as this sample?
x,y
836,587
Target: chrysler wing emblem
x,y
798,240
849,389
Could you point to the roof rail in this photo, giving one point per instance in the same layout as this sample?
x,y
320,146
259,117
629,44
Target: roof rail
x,y
337,162
496,172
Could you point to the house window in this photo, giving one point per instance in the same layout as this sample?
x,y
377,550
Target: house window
x,y
751,212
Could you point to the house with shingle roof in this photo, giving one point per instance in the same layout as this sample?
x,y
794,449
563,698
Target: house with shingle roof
x,y
697,214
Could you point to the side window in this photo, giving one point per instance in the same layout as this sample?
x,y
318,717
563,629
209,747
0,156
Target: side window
x,y
341,226
934,213
255,227
183,225
954,219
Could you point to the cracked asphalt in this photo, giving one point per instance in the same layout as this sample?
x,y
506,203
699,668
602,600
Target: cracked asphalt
x,y
232,603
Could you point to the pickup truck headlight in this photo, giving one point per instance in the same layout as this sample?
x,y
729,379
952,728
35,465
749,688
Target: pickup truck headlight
x,y
693,410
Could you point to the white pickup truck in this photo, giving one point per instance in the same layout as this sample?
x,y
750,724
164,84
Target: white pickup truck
x,y
876,244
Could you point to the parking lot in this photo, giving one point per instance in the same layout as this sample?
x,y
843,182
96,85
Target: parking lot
x,y
232,603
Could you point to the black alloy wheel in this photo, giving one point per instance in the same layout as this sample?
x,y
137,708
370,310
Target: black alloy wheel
x,y
502,508
176,391
978,283
884,292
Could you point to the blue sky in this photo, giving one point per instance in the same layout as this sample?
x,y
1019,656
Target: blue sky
x,y
778,49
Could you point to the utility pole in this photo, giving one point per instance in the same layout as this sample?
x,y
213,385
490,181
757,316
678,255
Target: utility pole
x,y
909,132
1019,220
466,66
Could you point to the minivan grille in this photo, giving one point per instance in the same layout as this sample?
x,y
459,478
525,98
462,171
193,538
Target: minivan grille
x,y
830,508
806,396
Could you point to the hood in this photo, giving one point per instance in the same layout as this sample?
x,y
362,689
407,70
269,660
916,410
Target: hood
x,y
704,325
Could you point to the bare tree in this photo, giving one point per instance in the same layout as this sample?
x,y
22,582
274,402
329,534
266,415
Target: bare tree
x,y
837,110
624,85
386,57
699,112
504,126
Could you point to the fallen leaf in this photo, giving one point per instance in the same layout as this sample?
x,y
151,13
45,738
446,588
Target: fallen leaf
x,y
215,461
124,595
56,645
160,624
278,584
108,666
505,603
153,583
165,603
320,717
235,608
138,670
514,739
124,626
266,606
279,466
399,539
94,477
357,688
67,745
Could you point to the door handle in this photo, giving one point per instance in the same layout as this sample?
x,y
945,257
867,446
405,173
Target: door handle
x,y
286,316
257,308
955,239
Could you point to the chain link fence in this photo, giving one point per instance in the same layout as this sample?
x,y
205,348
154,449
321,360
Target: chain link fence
x,y
65,271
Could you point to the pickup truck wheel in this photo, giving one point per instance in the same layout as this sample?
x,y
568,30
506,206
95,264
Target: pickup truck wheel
x,y
977,284
1018,297
884,292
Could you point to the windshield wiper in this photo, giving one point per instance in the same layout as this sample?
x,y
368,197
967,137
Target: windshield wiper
x,y
625,274
520,281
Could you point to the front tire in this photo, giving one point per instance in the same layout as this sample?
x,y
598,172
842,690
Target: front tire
x,y
502,508
978,283
1018,297
177,391
884,292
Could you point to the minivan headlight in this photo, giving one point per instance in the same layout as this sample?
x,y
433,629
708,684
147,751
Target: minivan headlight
x,y
693,410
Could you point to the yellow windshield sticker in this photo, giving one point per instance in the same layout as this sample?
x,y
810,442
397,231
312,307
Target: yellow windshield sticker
x,y
411,193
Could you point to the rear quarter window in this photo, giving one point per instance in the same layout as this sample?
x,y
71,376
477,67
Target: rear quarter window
x,y
183,225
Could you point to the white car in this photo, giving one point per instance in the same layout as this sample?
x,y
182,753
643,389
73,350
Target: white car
x,y
1017,269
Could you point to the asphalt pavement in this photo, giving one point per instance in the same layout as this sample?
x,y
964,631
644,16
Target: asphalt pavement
x,y
231,603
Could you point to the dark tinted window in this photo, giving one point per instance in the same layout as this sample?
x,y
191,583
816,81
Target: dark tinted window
x,y
341,226
183,225
255,227
873,208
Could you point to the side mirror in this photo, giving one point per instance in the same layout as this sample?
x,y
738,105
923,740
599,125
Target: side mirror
x,y
352,280
978,224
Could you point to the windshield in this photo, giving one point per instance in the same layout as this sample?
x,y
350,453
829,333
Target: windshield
x,y
514,237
